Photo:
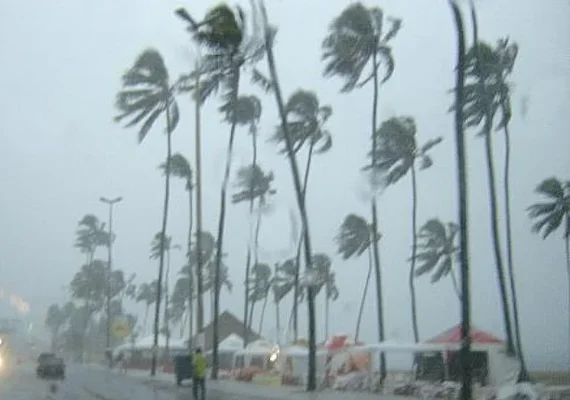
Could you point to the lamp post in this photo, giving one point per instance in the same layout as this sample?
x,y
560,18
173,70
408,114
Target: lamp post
x,y
110,203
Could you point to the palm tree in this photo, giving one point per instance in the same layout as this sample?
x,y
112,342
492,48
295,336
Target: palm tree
x,y
191,83
483,97
360,37
147,295
261,280
253,184
223,33
269,35
465,351
280,290
326,279
89,285
147,93
305,118
90,235
552,214
285,279
210,281
55,318
248,112
395,155
355,238
438,251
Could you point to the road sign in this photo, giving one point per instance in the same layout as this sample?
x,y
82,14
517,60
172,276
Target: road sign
x,y
120,328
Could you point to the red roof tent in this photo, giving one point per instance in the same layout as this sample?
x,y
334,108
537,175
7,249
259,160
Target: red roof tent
x,y
453,335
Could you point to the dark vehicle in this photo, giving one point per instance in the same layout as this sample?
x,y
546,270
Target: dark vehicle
x,y
50,366
182,368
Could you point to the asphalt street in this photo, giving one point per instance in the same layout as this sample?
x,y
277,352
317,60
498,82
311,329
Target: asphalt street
x,y
84,383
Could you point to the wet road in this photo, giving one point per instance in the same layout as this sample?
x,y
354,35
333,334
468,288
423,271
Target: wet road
x,y
85,383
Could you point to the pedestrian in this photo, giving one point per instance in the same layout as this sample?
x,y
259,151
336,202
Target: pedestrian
x,y
199,375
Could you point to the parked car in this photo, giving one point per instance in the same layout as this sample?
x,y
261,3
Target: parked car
x,y
50,366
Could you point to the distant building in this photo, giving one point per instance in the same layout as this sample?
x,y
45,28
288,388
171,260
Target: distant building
x,y
228,324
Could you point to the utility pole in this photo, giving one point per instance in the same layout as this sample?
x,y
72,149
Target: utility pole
x,y
110,239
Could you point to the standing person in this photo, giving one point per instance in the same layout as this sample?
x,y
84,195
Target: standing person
x,y
199,375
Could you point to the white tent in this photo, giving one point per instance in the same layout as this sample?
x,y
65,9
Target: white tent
x,y
258,348
147,343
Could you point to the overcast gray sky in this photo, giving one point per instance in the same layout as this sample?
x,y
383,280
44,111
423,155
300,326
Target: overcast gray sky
x,y
60,150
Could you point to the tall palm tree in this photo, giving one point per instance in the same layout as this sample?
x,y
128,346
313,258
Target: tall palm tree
x,y
248,112
269,35
553,214
354,238
395,155
180,168
465,351
306,118
438,251
359,38
223,33
147,94
483,94
192,83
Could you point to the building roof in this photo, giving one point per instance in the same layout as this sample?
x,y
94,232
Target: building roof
x,y
229,325
453,335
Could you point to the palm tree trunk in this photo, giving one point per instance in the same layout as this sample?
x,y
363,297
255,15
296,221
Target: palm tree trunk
x,y
376,251
199,261
251,309
497,250
166,305
223,196
455,286
365,291
411,280
262,316
327,304
248,258
299,247
162,242
190,314
523,376
567,245
146,318
278,323
312,364
465,352
183,324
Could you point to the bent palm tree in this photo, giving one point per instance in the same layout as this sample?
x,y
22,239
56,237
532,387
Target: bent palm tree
x,y
553,214
480,106
248,111
305,119
359,38
465,351
354,238
180,168
269,35
395,155
437,251
146,95
223,33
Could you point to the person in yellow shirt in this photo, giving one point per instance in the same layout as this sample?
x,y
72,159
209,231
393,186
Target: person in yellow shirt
x,y
199,375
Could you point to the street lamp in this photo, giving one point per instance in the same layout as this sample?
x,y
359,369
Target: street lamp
x,y
110,203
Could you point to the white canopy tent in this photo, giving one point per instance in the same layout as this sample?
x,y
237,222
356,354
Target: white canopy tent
x,y
502,369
